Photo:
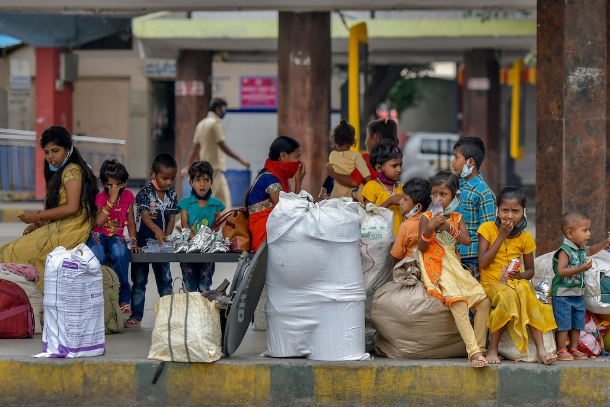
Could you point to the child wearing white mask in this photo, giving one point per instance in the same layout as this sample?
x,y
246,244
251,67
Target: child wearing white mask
x,y
415,200
477,200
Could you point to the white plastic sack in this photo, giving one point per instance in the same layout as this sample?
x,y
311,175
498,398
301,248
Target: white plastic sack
x,y
33,293
73,304
315,288
187,329
507,348
543,266
376,240
593,294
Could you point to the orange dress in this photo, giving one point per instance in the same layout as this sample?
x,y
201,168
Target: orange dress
x,y
442,273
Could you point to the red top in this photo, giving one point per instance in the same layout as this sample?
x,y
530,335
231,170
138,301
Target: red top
x,y
357,177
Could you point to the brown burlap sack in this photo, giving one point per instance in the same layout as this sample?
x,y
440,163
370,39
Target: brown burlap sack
x,y
410,323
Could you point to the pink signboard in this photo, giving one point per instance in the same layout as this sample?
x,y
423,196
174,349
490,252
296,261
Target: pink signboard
x,y
258,92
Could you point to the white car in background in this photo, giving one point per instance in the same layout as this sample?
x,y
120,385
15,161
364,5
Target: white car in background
x,y
424,154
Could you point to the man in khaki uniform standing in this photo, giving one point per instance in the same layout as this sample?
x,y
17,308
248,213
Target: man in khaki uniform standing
x,y
209,144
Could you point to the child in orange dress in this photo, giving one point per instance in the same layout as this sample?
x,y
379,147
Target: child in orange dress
x,y
443,275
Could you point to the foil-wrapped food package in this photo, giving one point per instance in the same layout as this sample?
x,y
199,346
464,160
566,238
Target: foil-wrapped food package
x,y
152,246
181,244
543,290
202,240
219,245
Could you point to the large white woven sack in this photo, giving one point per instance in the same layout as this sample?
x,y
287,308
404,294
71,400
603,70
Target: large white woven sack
x,y
73,304
315,287
187,329
376,240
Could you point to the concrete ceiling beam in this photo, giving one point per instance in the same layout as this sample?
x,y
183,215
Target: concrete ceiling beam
x,y
146,6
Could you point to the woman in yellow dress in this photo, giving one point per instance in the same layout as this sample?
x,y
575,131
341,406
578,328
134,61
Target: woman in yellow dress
x,y
69,205
514,302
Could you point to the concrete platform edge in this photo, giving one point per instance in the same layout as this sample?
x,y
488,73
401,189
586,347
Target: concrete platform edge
x,y
296,382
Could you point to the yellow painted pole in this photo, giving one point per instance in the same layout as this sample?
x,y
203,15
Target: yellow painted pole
x,y
514,80
357,35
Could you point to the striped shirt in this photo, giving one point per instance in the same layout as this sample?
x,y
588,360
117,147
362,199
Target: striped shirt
x,y
477,206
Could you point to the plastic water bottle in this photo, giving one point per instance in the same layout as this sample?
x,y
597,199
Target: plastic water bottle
x,y
436,207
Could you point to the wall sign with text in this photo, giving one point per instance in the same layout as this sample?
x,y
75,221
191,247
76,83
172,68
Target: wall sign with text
x,y
258,92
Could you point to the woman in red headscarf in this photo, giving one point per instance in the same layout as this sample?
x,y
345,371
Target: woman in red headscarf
x,y
283,163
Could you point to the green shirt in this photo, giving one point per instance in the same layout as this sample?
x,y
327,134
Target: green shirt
x,y
574,285
204,215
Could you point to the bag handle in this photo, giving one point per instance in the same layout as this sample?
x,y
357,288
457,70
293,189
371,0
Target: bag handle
x,y
15,311
223,218
169,319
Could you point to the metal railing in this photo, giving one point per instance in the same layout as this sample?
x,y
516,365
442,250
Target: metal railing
x,y
18,156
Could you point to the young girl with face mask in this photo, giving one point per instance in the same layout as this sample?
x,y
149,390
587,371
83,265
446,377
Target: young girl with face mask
x,y
414,202
386,190
513,298
114,212
442,273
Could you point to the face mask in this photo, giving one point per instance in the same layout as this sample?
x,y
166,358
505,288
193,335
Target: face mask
x,y
412,212
155,184
518,228
466,171
202,197
55,169
107,190
451,207
222,115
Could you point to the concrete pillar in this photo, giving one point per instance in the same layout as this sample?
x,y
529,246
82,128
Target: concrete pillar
x,y
481,109
572,112
304,89
53,104
193,90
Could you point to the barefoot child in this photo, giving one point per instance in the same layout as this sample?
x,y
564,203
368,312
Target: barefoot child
x,y
415,200
568,285
344,160
386,190
199,209
114,212
441,271
155,212
514,303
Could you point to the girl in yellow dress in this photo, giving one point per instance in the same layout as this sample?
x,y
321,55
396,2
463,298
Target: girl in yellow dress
x,y
513,298
443,275
386,190
69,205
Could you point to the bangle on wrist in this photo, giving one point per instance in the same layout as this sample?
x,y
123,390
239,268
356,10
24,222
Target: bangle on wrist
x,y
105,211
426,239
111,204
38,216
